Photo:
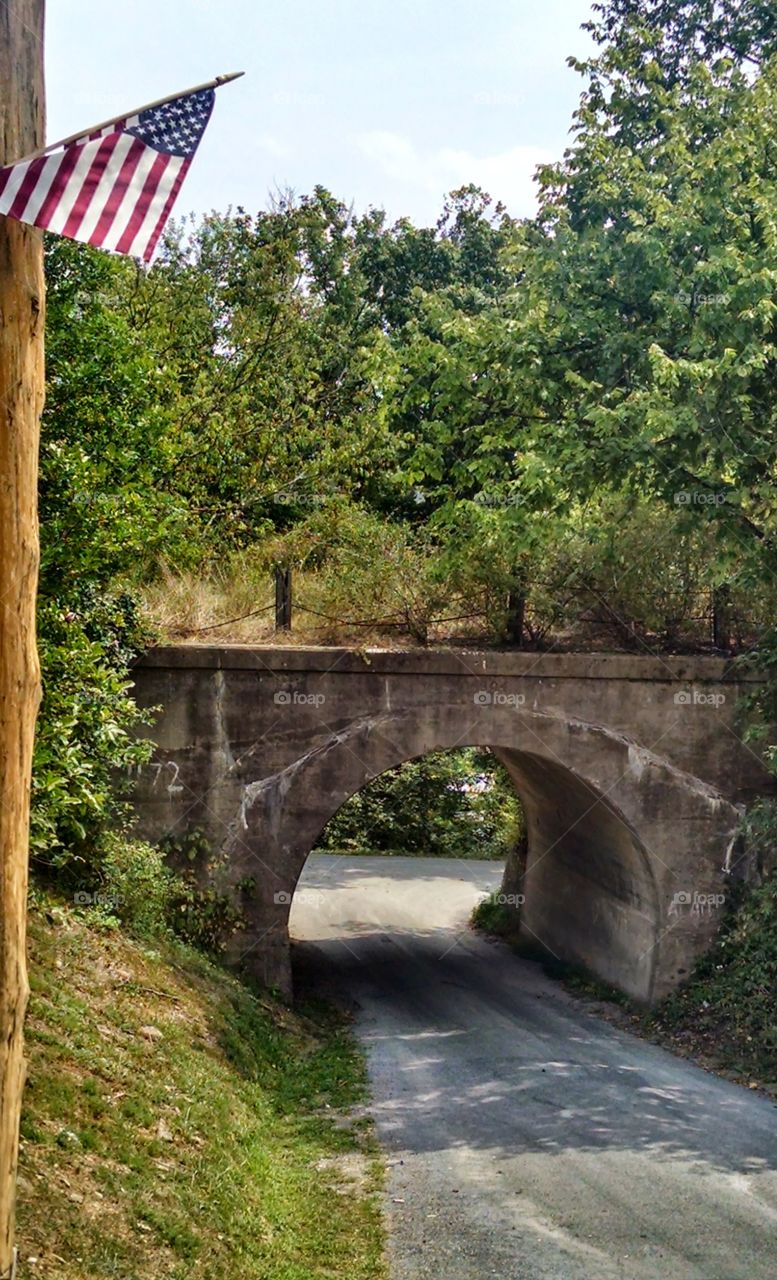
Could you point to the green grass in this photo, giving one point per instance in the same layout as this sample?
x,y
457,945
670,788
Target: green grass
x,y
230,1146
494,917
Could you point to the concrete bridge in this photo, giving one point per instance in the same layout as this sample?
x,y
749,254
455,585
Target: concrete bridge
x,y
631,770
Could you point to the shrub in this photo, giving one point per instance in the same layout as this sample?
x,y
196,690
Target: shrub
x,y
201,915
197,909
135,874
493,916
134,884
366,568
86,737
731,997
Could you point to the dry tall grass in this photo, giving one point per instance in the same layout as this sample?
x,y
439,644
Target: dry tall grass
x,y
239,608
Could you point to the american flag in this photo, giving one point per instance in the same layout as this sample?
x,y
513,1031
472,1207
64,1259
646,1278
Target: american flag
x,y
115,188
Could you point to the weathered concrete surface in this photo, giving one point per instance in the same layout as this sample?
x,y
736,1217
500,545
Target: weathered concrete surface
x,y
527,1139
632,772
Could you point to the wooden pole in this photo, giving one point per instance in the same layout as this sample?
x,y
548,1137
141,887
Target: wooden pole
x,y
22,119
516,614
282,598
721,618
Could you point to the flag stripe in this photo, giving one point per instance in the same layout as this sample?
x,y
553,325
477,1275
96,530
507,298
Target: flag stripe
x,y
11,179
148,252
132,197
115,126
134,229
26,188
98,199
69,160
122,188
46,169
46,172
68,192
91,183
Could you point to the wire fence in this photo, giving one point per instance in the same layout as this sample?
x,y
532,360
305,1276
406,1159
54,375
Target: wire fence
x,y
709,620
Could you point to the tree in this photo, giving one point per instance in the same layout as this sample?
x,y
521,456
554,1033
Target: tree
x,y
270,356
681,31
654,288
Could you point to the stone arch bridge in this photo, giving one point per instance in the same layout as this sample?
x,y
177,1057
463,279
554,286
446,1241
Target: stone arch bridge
x,y
632,772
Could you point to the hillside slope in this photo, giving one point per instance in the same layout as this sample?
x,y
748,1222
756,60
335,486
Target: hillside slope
x,y
175,1125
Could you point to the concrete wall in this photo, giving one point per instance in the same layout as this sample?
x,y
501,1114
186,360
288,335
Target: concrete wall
x,y
631,769
592,893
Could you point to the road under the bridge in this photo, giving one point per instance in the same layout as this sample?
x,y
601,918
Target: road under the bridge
x,y
526,1138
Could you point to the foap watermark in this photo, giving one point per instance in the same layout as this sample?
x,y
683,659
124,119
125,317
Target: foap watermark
x,y
695,902
305,897
294,698
487,698
499,499
297,98
496,98
288,498
702,299
101,898
698,698
99,499
499,899
700,498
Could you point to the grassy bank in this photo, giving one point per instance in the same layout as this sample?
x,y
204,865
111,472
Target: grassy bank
x,y
176,1125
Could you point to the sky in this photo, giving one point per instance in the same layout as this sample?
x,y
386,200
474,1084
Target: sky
x,y
388,103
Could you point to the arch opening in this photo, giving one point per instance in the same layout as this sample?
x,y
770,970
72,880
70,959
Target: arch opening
x,y
581,881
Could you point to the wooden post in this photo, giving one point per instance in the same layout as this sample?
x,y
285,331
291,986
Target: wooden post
x,y
516,611
282,598
21,402
721,618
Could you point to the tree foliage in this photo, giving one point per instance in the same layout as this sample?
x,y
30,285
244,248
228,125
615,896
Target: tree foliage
x,y
484,416
446,805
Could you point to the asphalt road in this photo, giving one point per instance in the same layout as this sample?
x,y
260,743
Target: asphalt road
x,y
527,1139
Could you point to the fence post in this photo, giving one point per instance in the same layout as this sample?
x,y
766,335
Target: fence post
x,y
721,617
282,598
516,612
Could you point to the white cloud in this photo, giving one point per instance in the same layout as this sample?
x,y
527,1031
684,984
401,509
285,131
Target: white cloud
x,y
507,176
273,146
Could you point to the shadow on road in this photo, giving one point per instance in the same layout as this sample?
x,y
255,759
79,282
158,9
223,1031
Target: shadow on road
x,y
518,1064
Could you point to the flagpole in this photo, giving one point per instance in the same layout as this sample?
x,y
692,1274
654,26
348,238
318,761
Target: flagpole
x,y
149,106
